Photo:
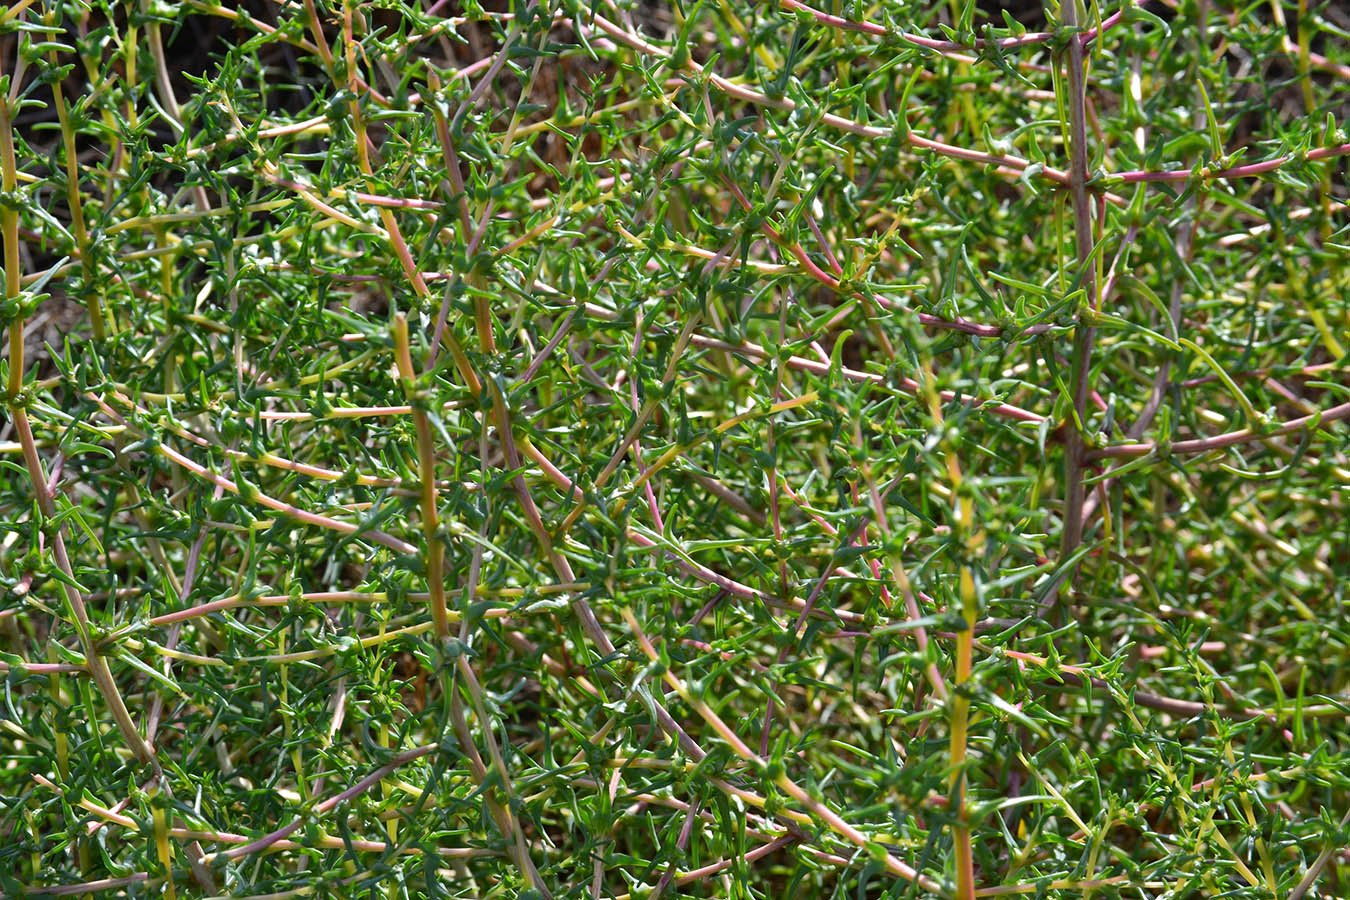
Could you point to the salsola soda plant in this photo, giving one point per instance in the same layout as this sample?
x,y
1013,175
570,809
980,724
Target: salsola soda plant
x,y
717,449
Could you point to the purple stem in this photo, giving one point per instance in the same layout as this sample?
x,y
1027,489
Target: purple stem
x,y
1220,441
1136,176
357,789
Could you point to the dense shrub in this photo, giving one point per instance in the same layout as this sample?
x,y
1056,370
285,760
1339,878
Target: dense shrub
x,y
717,449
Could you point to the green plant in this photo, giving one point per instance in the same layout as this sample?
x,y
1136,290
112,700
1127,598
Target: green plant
x,y
714,449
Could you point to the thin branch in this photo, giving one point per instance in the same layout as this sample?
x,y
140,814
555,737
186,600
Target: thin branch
x,y
1207,173
1221,441
1084,333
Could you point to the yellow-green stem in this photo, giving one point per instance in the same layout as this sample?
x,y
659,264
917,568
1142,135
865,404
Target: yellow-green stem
x,y
9,225
959,700
960,723
426,465
163,849
98,666
400,246
818,810
1334,346
75,200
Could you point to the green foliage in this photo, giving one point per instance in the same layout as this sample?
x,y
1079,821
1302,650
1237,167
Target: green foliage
x,y
713,449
